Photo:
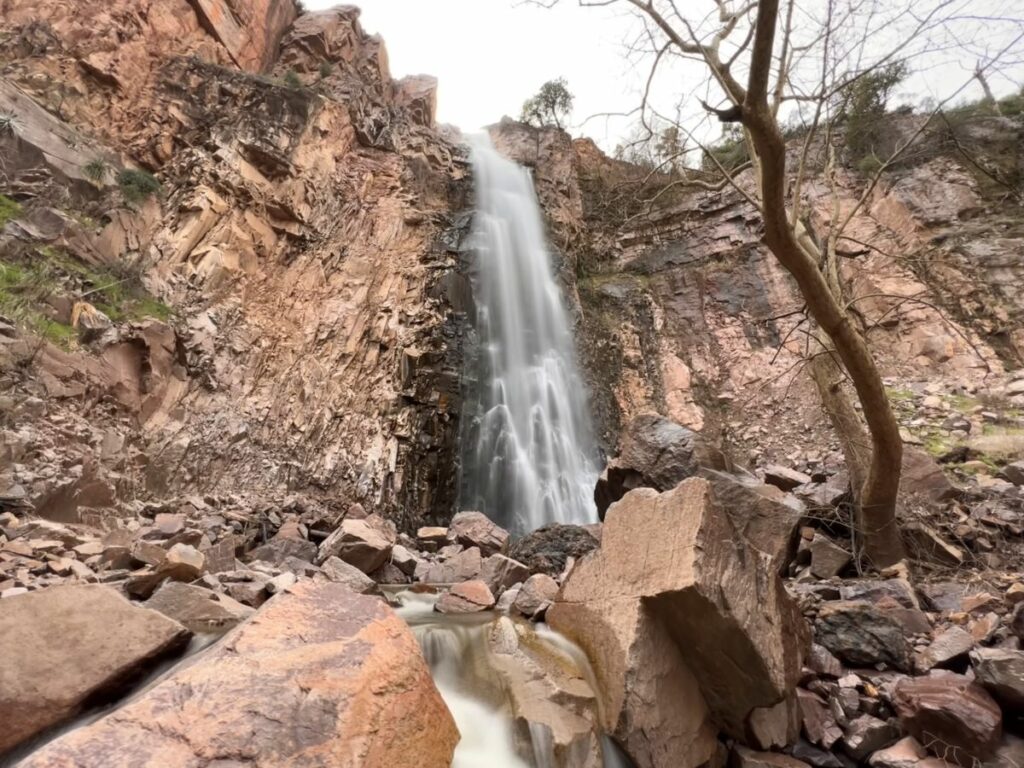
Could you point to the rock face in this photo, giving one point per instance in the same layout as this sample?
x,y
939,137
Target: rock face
x,y
57,653
323,676
674,576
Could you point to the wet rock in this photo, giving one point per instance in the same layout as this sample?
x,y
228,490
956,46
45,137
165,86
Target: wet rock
x,y
500,572
326,674
951,715
547,549
57,653
535,596
366,544
655,452
948,646
1001,672
467,597
674,560
199,610
859,633
475,529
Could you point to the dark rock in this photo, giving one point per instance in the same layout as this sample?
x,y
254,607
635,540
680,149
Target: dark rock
x,y
655,453
748,758
867,734
859,633
547,549
1001,671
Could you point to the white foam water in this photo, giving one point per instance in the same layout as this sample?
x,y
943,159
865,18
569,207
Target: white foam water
x,y
529,452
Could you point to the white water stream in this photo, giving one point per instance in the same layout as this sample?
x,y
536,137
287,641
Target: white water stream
x,y
529,453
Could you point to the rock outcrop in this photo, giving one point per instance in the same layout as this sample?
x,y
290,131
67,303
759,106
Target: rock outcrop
x,y
323,676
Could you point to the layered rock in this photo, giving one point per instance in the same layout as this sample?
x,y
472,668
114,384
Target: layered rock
x,y
323,676
674,576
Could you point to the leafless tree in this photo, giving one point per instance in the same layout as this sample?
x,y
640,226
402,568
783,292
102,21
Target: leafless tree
x,y
764,59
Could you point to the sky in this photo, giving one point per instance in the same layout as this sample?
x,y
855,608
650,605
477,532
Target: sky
x,y
491,55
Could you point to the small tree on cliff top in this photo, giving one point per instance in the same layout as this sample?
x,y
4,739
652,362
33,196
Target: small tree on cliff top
x,y
551,105
758,57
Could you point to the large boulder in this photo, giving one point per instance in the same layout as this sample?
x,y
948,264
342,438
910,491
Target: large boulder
x,y
197,608
62,646
321,676
548,549
654,452
1001,671
676,592
860,633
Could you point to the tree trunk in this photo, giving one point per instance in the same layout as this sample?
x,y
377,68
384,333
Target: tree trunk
x,y
882,543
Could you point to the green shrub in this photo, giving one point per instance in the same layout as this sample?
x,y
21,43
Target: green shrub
x,y
292,80
869,165
95,170
325,69
730,152
137,185
9,209
863,105
551,105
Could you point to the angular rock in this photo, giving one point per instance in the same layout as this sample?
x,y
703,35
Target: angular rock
x,y
500,572
63,645
748,758
948,646
951,715
859,633
675,560
867,734
905,753
463,566
475,529
827,559
366,544
283,546
925,543
340,572
404,560
654,453
785,478
198,609
774,727
323,677
819,724
1001,672
535,596
432,536
874,590
467,597
547,549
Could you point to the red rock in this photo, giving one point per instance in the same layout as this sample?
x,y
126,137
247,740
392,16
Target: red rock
x,y
474,529
467,597
951,715
322,676
536,594
62,645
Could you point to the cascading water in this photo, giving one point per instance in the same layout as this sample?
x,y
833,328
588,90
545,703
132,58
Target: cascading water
x,y
529,455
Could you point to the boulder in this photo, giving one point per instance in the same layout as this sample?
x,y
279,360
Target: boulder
x,y
340,572
535,596
467,597
500,573
282,546
654,453
827,559
547,549
905,753
462,566
58,654
474,529
819,722
183,562
675,562
951,715
323,676
860,633
748,758
366,544
866,734
1001,672
198,609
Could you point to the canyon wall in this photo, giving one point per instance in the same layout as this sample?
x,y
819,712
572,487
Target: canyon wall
x,y
304,243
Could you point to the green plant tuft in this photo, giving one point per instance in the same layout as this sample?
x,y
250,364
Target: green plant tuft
x,y
9,209
95,170
292,80
137,185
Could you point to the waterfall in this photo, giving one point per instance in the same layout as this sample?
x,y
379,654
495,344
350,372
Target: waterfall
x,y
529,455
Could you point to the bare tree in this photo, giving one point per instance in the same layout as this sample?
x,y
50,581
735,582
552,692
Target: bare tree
x,y
757,65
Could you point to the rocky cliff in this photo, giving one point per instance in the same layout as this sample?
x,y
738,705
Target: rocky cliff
x,y
242,236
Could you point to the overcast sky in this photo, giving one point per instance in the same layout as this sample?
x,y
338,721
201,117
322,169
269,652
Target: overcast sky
x,y
490,55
